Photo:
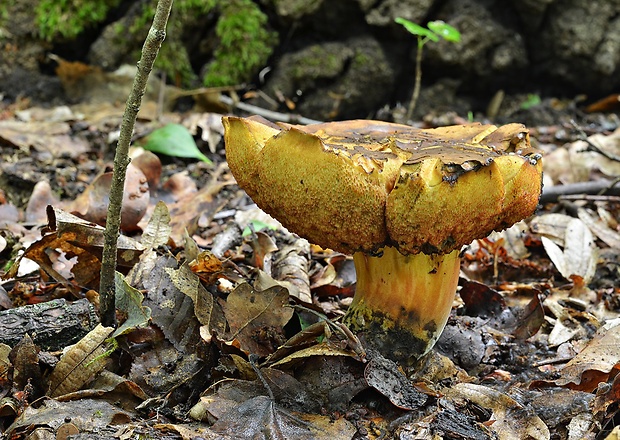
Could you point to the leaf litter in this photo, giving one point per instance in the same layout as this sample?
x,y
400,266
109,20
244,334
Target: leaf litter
x,y
240,330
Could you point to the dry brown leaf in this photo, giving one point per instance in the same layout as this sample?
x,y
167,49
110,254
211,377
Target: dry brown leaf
x,y
599,228
80,363
93,203
157,232
290,266
72,237
53,137
257,318
207,266
597,362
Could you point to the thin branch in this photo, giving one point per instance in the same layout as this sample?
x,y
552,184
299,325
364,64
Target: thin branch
x,y
153,41
596,187
268,114
591,146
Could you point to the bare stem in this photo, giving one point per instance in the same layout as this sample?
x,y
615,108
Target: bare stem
x,y
153,42
418,78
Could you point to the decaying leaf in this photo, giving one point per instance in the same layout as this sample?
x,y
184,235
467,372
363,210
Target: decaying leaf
x,y
80,363
172,310
157,231
25,362
256,318
242,410
88,415
510,420
597,362
206,310
385,376
260,418
129,301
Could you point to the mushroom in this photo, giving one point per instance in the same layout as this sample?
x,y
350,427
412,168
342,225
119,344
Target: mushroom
x,y
403,201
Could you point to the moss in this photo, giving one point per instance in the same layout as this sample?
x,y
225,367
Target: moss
x,y
68,18
245,43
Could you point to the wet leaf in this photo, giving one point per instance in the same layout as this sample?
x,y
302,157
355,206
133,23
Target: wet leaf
x,y
257,318
174,140
386,377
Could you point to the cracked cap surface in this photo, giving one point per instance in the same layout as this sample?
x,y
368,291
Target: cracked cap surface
x,y
361,185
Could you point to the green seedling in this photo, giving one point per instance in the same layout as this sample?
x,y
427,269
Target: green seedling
x,y
435,31
532,101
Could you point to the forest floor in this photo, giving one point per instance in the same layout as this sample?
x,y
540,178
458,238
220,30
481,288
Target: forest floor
x,y
219,340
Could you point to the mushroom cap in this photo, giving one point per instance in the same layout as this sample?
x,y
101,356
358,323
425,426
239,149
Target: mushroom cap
x,y
362,185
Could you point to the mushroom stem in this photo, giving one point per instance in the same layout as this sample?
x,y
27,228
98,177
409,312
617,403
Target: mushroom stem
x,y
402,302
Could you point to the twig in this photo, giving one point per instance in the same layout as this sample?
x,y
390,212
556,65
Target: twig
x,y
274,116
597,187
591,147
153,41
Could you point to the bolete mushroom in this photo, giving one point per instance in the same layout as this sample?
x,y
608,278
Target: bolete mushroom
x,y
402,200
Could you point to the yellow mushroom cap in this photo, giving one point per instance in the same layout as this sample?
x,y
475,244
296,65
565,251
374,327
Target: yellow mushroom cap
x,y
361,185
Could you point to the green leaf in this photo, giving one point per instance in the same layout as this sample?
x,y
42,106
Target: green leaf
x,y
416,29
445,31
257,225
129,301
174,140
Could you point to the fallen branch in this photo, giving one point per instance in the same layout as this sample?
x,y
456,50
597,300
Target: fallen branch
x,y
268,114
597,187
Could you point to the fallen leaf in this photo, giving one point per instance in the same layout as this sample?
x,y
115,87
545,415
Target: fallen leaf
x,y
596,363
257,318
93,203
386,377
580,253
80,363
174,140
157,231
129,301
510,419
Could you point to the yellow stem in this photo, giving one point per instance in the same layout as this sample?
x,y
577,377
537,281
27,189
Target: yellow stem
x,y
402,303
